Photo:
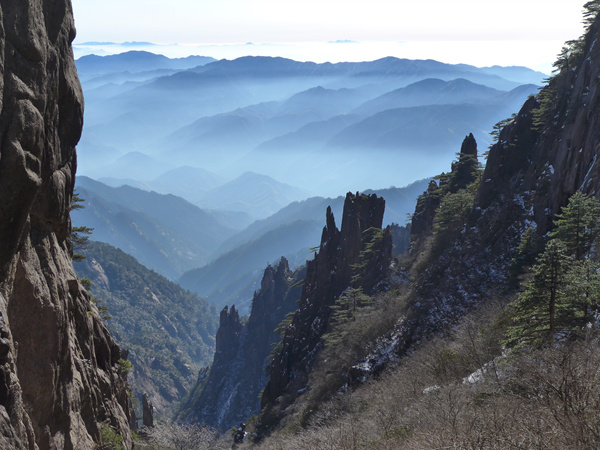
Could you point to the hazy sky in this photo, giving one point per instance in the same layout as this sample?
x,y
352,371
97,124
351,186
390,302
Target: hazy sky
x,y
480,32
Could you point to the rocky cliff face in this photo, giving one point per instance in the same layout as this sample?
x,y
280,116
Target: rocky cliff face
x,y
59,371
544,154
548,162
230,392
461,175
328,275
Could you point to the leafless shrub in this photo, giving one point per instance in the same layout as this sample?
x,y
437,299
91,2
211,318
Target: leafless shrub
x,y
181,437
544,399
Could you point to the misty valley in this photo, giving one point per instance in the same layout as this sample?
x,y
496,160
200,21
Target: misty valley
x,y
209,171
203,253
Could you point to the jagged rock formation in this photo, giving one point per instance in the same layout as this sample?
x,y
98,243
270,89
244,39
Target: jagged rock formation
x,y
147,411
547,167
229,394
460,177
328,275
65,377
544,154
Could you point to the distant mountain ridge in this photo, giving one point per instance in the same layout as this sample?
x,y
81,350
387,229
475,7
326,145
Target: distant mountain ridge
x,y
134,61
257,195
166,233
252,195
269,67
252,113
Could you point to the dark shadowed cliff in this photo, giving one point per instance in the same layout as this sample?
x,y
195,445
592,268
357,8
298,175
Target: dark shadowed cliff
x,y
230,393
327,276
543,155
64,381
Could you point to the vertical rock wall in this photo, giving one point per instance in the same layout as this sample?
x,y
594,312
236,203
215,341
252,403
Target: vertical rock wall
x,y
59,371
327,276
230,395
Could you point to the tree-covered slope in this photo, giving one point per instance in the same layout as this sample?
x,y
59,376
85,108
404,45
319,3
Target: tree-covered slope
x,y
168,331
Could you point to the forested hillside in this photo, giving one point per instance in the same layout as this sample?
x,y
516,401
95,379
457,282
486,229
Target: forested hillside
x,y
168,333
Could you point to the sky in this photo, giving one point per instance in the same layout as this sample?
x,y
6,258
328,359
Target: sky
x,y
478,32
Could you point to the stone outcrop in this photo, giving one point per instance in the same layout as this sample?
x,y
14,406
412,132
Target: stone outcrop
x,y
547,163
461,175
228,335
230,393
59,370
327,276
544,154
147,411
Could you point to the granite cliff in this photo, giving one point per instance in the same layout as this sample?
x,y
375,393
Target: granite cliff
x,y
327,276
229,393
543,155
59,368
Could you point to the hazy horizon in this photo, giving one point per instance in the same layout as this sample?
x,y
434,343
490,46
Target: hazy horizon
x,y
507,33
333,52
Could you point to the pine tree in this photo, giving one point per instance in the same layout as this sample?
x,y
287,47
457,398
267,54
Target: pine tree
x,y
374,260
453,213
538,307
529,249
582,291
79,235
578,225
590,12
344,309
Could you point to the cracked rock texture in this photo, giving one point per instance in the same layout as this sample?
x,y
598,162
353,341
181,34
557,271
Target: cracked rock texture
x,y
59,371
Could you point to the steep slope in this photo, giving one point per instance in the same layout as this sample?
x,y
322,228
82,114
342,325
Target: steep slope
x,y
167,331
229,393
64,381
164,232
328,275
543,156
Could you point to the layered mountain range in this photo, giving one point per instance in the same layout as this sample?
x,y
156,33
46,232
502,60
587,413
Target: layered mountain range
x,y
289,120
466,232
218,254
63,377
